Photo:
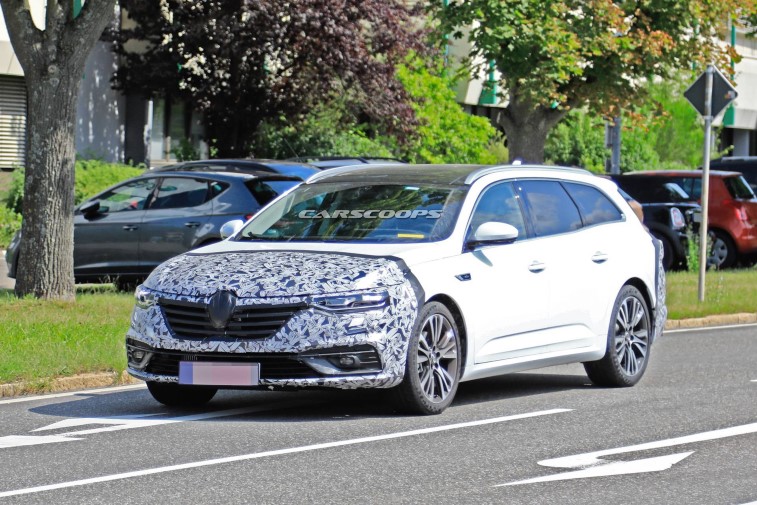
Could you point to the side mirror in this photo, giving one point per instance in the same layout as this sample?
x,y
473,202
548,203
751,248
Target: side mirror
x,y
491,233
90,209
230,228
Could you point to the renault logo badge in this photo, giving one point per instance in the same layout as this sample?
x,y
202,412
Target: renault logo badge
x,y
220,308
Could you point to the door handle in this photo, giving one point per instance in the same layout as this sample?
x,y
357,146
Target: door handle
x,y
130,227
537,266
192,224
600,257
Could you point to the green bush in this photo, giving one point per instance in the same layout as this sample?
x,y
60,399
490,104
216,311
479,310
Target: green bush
x,y
578,141
92,176
10,223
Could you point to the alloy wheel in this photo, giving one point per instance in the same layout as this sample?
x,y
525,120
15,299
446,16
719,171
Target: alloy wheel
x,y
631,335
437,358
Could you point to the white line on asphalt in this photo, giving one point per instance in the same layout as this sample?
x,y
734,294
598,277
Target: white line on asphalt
x,y
278,452
82,392
705,328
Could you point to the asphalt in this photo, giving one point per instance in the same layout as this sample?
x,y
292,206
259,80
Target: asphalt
x,y
337,447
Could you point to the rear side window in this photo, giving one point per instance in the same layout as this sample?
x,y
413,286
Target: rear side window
x,y
692,186
176,193
265,190
738,188
552,210
595,206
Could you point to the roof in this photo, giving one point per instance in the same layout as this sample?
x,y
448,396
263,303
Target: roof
x,y
679,173
424,174
221,176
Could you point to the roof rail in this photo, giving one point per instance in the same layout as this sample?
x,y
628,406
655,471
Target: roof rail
x,y
481,172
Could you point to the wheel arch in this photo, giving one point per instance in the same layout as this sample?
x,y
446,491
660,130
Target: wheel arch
x,y
454,308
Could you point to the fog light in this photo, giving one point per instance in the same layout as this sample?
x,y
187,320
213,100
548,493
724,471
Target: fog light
x,y
349,361
138,355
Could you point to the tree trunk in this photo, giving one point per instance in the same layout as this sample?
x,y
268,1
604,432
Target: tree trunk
x,y
45,264
53,61
526,128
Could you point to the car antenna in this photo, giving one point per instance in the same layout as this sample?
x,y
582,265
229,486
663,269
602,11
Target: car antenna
x,y
290,147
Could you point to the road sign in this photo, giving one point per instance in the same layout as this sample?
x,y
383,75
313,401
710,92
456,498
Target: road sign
x,y
722,92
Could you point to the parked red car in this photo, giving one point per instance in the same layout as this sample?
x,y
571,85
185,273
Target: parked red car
x,y
732,213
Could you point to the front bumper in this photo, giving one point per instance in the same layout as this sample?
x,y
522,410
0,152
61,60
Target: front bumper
x,y
304,352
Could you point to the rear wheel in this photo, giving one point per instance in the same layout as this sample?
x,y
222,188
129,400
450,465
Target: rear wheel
x,y
723,249
628,346
177,395
432,372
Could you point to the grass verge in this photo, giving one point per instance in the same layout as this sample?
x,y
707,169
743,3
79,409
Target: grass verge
x,y
40,340
726,292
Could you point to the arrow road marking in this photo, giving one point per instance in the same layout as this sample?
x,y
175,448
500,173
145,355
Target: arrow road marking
x,y
591,465
612,468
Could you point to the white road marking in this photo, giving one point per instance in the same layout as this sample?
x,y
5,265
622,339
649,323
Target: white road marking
x,y
657,464
83,392
705,328
591,460
24,440
278,452
129,422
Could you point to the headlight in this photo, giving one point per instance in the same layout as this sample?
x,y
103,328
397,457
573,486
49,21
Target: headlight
x,y
351,303
145,298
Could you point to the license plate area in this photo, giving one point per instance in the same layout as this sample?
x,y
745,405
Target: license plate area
x,y
218,373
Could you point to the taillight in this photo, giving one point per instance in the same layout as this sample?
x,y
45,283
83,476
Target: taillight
x,y
677,219
741,214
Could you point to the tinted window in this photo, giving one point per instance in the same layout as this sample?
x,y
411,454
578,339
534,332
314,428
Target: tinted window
x,y
691,185
177,192
738,188
498,203
653,189
130,196
594,205
551,209
265,191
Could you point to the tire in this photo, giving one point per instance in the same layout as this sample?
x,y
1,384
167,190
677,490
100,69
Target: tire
x,y
432,372
668,259
175,395
628,348
723,250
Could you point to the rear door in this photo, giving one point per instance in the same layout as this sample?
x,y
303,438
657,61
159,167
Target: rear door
x,y
107,243
174,219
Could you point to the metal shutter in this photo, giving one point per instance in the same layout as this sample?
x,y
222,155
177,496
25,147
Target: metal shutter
x,y
12,121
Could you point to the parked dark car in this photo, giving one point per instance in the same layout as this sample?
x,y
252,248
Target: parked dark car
x,y
325,162
668,222
732,206
747,165
248,166
123,233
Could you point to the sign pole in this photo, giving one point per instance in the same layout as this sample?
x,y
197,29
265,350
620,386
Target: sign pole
x,y
705,180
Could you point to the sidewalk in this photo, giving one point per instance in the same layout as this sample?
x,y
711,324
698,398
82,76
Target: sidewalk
x,y
5,281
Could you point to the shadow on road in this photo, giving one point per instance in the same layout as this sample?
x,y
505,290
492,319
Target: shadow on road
x,y
306,405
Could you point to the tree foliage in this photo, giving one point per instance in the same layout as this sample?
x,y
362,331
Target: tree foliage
x,y
556,55
242,62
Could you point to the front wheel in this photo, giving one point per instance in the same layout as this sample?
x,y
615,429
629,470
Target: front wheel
x,y
628,343
176,395
432,372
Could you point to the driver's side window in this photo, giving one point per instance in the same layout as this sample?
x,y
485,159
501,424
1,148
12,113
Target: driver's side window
x,y
130,196
498,203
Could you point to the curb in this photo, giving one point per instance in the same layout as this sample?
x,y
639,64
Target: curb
x,y
60,384
105,379
712,321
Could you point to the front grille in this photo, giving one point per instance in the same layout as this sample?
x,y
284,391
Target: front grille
x,y
191,320
272,366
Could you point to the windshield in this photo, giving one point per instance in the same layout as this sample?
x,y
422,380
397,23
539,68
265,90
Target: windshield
x,y
353,212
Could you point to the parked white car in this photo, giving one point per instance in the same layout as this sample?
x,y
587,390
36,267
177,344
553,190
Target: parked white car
x,y
407,277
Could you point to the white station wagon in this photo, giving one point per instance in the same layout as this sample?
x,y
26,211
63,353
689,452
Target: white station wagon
x,y
411,278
